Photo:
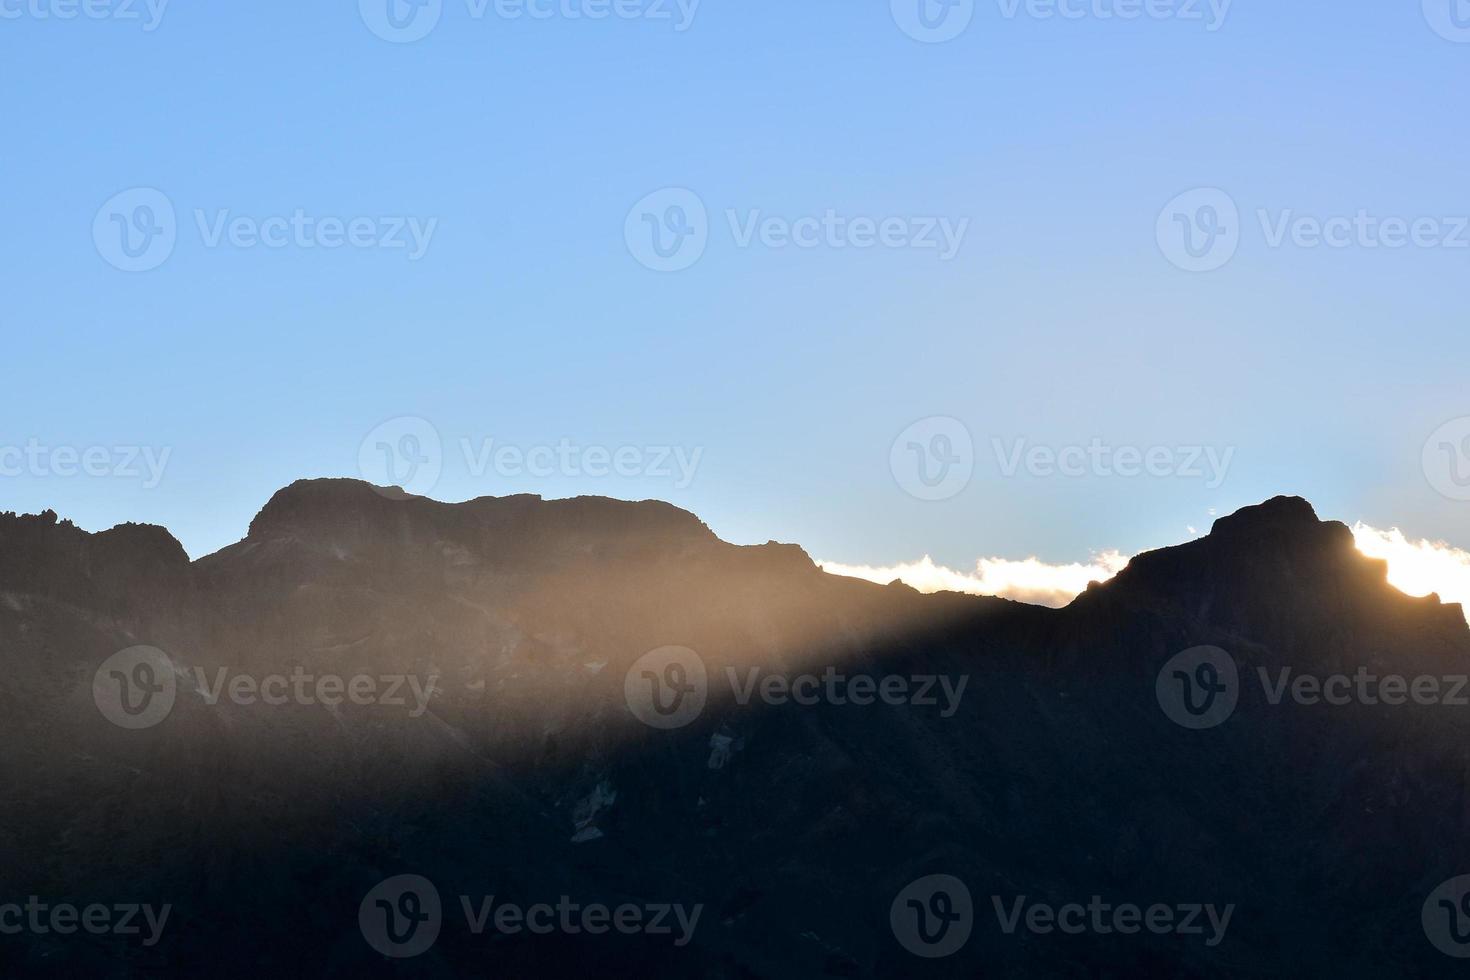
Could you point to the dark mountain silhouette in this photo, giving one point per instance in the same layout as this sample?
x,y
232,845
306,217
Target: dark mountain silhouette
x,y
1057,774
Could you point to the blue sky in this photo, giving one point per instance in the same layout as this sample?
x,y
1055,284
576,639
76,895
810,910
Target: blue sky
x,y
519,148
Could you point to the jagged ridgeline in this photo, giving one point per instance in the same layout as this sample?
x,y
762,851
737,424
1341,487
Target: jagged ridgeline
x,y
596,698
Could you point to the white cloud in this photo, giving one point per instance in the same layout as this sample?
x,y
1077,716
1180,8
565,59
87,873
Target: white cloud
x,y
1031,580
1419,567
1414,567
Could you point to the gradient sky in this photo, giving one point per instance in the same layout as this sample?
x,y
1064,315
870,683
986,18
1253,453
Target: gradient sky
x,y
530,320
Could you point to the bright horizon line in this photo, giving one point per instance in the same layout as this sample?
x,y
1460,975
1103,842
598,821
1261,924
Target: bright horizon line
x,y
1415,567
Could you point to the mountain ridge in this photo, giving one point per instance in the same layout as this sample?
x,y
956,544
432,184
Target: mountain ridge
x,y
351,508
522,768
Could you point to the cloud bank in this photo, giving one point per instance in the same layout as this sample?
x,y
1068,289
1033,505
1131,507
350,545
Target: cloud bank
x,y
1030,580
1414,567
1419,567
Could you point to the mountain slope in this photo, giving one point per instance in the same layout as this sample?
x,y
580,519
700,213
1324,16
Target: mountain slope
x,y
519,767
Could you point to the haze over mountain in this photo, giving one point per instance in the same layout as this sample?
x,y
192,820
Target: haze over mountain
x,y
1042,763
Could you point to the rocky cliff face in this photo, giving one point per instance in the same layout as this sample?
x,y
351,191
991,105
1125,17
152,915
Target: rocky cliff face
x,y
537,744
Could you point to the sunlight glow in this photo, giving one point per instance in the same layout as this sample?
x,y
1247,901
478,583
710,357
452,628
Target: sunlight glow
x,y
1031,580
1414,567
1419,567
